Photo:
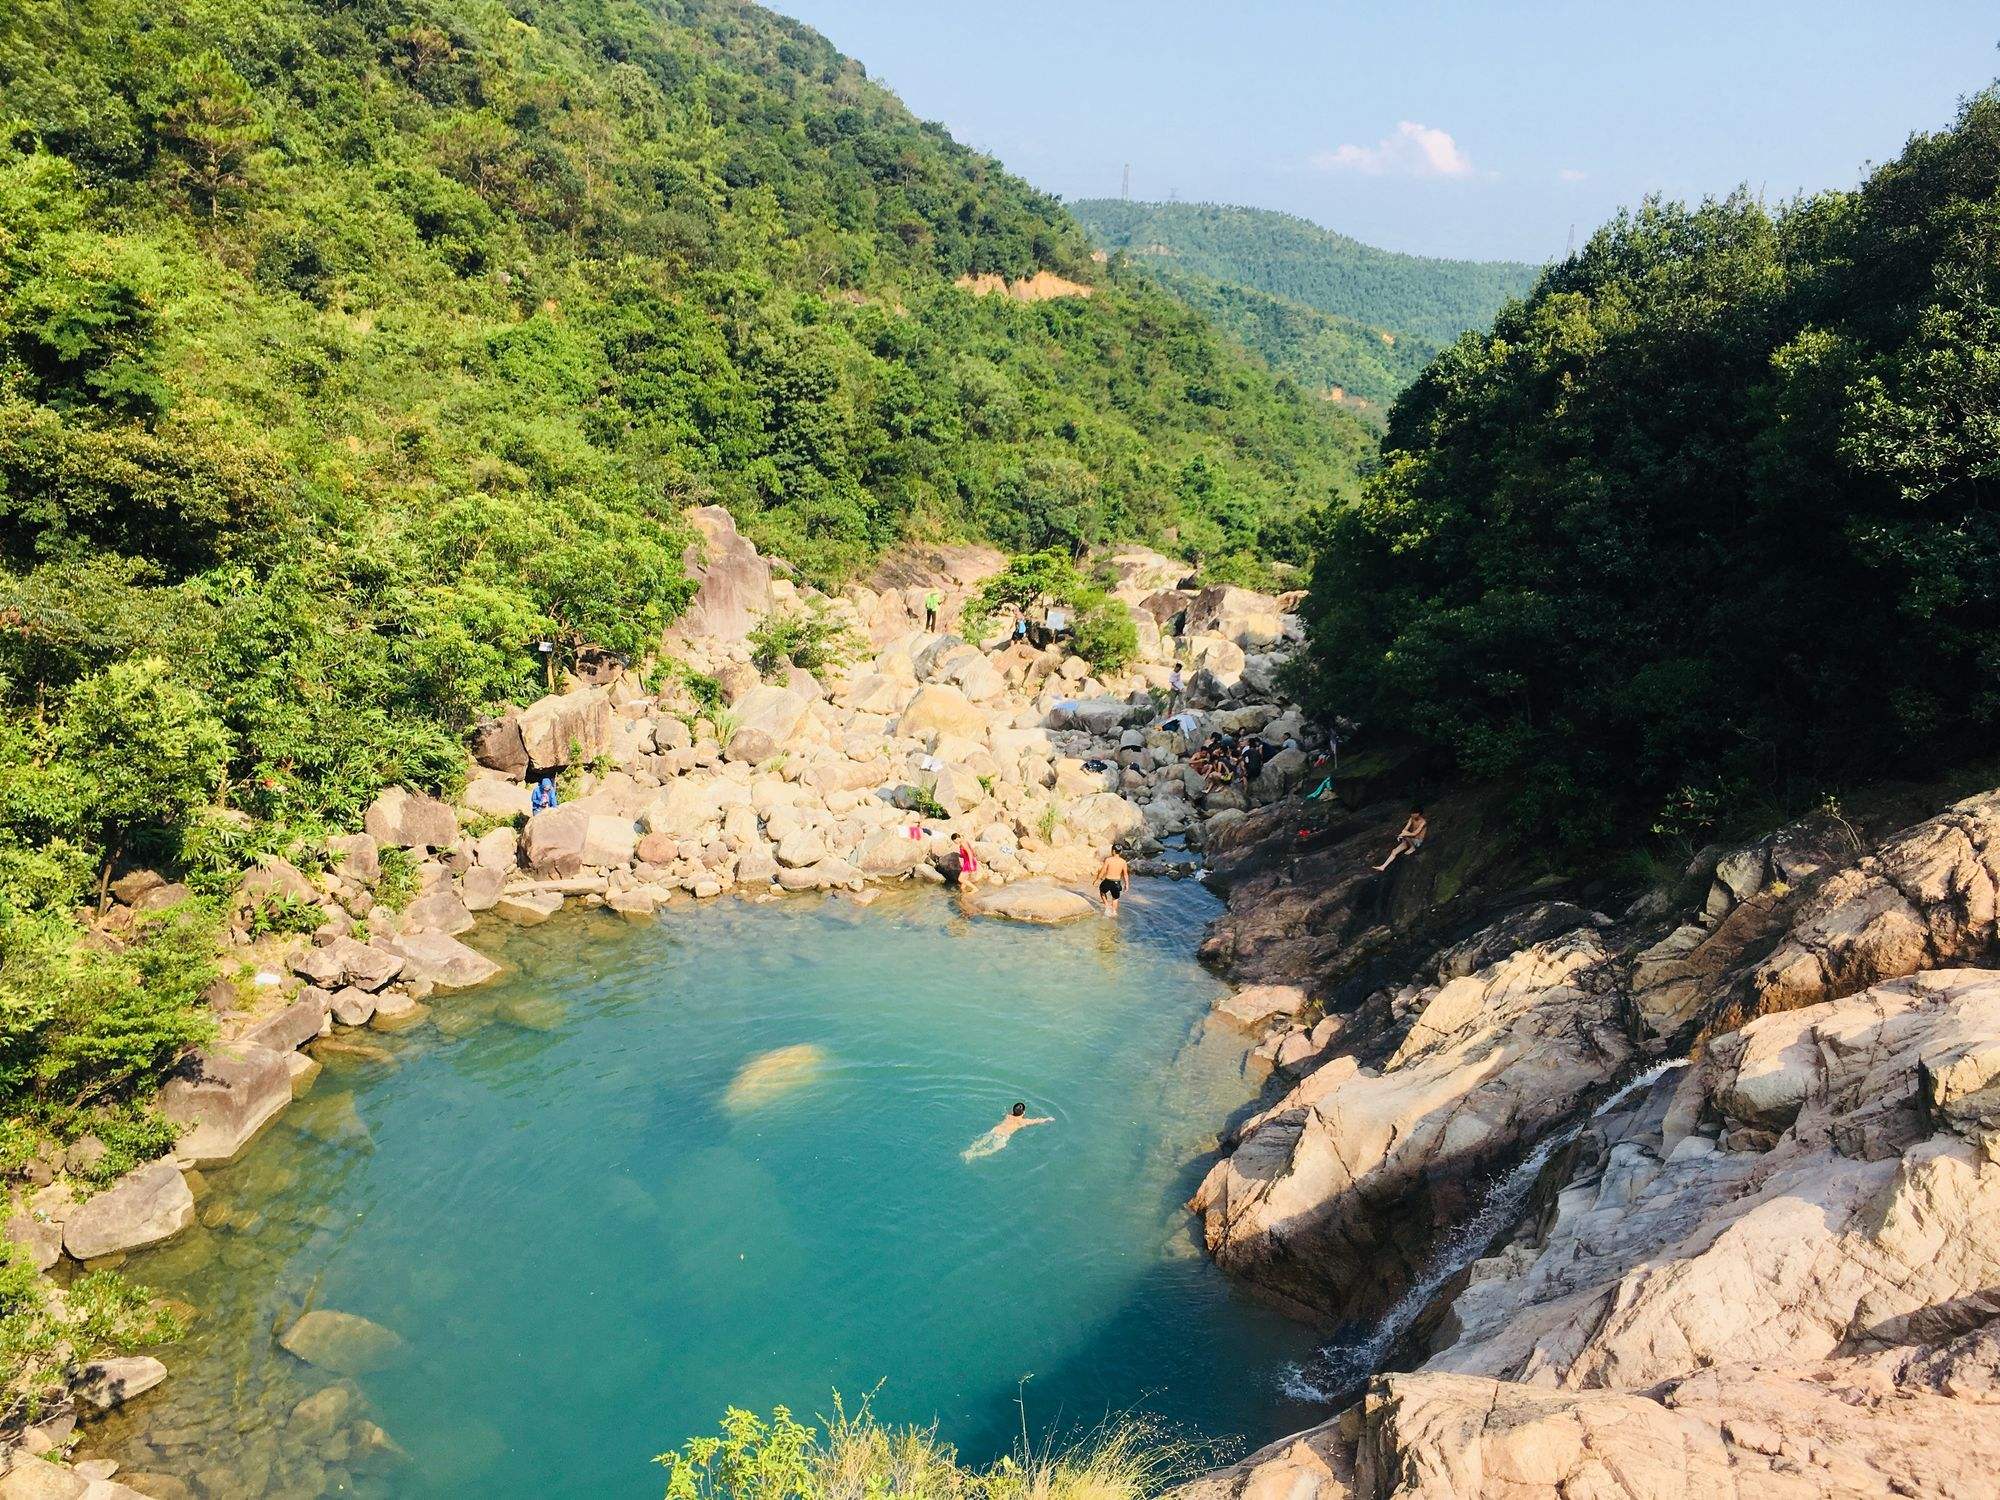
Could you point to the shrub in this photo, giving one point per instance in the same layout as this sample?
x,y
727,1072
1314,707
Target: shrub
x,y
81,1023
859,1458
397,882
810,638
1102,632
44,1341
282,913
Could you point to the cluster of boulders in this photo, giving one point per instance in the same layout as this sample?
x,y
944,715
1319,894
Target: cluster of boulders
x,y
1762,1269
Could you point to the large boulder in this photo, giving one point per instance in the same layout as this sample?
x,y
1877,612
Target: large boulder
x,y
766,719
444,961
356,857
553,841
491,797
1040,901
1240,616
1105,818
346,961
439,910
609,842
732,582
293,1026
145,1206
939,708
565,729
497,743
1257,1006
223,1096
686,805
876,694
890,851
400,819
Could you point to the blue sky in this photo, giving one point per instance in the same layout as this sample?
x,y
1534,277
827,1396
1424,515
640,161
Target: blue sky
x,y
1446,128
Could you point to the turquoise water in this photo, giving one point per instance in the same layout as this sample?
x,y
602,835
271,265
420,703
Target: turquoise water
x,y
594,1231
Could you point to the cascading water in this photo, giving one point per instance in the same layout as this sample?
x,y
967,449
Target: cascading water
x,y
1338,1368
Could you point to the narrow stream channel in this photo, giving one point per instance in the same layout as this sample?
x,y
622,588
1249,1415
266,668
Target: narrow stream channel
x,y
718,1159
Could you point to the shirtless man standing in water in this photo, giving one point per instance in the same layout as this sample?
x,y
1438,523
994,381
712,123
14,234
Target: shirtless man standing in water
x,y
996,1139
1111,877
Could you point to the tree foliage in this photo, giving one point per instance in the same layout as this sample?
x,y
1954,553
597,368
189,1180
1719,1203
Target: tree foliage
x,y
1709,521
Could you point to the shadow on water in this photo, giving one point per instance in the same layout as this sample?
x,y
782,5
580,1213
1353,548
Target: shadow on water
x,y
589,1253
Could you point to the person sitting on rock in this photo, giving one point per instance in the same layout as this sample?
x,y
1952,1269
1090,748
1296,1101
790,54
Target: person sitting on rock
x,y
996,1139
1410,840
1112,873
544,795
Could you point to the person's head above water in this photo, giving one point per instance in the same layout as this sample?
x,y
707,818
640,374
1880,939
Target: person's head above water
x,y
1018,1109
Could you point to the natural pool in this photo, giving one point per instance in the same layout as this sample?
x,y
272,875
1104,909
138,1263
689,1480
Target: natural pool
x,y
593,1230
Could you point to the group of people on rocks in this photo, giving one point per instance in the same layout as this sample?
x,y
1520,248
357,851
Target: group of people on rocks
x,y
1226,758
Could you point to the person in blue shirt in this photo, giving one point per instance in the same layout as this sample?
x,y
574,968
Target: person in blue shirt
x,y
544,796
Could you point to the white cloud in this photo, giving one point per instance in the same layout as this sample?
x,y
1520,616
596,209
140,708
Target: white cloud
x,y
1571,174
1413,151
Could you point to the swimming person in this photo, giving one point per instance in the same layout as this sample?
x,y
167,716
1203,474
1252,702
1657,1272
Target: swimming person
x,y
996,1139
1112,873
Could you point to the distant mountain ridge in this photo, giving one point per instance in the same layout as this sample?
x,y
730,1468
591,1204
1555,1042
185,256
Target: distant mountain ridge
x,y
1283,255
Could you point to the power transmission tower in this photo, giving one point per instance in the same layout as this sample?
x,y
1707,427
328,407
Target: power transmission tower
x,y
1125,190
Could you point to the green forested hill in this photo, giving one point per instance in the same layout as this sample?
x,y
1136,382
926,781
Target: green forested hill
x,y
349,347
1285,256
1365,366
1706,527
346,348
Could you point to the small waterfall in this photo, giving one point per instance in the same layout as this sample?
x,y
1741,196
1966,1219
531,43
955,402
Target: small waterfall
x,y
1338,1368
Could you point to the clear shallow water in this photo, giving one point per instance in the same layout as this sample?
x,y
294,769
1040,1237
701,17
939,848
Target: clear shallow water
x,y
594,1231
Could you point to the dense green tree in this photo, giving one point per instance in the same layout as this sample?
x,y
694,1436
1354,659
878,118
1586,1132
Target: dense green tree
x,y
1708,522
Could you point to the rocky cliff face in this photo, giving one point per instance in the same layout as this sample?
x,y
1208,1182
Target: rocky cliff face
x,y
1768,1270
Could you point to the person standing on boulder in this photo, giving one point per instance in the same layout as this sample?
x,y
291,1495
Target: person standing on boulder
x,y
968,867
932,602
1112,873
1176,689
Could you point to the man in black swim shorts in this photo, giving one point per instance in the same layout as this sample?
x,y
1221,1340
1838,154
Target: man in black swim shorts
x,y
1111,877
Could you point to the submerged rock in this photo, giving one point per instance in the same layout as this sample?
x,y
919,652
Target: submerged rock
x,y
773,1074
344,1343
1033,901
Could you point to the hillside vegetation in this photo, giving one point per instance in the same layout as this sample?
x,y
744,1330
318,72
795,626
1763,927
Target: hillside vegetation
x,y
1707,526
1337,359
346,351
1281,255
